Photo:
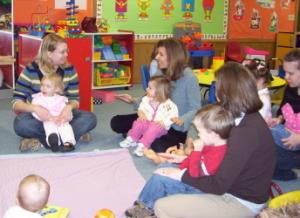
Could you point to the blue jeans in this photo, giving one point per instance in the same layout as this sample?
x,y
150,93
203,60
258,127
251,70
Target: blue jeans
x,y
286,161
161,186
279,132
26,126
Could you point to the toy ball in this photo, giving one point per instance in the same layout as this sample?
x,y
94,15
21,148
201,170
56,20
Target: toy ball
x,y
105,213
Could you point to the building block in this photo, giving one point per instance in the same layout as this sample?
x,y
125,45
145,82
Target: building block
x,y
106,96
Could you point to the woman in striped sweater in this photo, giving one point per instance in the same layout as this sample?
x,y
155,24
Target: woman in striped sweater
x,y
52,57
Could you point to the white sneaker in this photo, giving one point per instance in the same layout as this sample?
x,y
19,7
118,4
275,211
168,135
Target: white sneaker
x,y
139,151
128,142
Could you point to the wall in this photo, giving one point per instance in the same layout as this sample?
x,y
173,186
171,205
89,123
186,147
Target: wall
x,y
30,11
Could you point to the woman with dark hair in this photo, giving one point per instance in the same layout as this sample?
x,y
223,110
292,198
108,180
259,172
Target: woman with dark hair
x,y
240,187
172,59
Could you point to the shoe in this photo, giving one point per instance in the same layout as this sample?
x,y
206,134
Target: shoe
x,y
53,142
128,142
67,147
86,137
29,144
139,151
285,175
139,211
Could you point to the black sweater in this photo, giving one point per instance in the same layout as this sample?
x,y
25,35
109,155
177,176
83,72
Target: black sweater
x,y
291,96
248,165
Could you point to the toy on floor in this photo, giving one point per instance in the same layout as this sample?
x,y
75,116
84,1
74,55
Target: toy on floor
x,y
54,212
105,213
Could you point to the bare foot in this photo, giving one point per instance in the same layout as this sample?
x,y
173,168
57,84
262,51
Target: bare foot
x,y
149,153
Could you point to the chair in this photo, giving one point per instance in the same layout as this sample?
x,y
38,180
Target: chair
x,y
277,96
212,93
233,52
145,75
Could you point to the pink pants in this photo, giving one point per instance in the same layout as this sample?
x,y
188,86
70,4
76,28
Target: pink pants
x,y
144,131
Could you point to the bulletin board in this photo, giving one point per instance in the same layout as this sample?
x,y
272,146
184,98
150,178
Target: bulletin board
x,y
162,15
260,18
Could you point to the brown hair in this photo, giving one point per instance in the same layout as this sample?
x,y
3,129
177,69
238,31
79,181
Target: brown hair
x,y
33,193
57,80
259,70
162,88
236,89
215,118
177,57
49,44
293,55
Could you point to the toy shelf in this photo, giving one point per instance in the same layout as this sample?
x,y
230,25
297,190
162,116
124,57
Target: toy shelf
x,y
112,59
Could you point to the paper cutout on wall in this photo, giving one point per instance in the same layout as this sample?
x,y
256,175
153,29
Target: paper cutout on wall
x,y
121,9
274,22
143,6
239,10
208,6
285,3
255,19
167,6
188,7
266,3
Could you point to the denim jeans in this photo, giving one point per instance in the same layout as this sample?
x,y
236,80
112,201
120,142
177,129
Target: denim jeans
x,y
26,126
279,132
161,186
286,161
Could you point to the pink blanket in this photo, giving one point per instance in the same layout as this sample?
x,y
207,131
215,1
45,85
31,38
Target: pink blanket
x,y
83,182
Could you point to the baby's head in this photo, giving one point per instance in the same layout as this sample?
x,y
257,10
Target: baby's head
x,y
33,193
213,122
159,88
52,84
259,70
290,210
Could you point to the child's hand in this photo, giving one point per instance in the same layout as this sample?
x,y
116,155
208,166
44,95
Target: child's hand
x,y
274,121
198,145
161,124
141,115
172,149
177,121
189,146
292,141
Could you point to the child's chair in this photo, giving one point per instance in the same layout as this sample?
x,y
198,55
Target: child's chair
x,y
145,75
233,52
277,95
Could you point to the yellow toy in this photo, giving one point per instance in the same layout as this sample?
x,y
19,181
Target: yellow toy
x,y
284,199
105,213
54,212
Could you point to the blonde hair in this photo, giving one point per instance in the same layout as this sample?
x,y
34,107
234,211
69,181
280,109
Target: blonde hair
x,y
287,211
49,44
57,81
215,118
33,193
162,88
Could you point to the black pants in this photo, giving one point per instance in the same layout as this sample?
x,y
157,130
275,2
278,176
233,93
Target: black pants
x,y
123,123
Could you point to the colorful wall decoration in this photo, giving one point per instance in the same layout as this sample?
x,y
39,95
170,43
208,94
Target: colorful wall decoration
x,y
155,19
260,19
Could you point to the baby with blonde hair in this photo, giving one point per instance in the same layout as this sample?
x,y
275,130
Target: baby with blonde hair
x,y
32,196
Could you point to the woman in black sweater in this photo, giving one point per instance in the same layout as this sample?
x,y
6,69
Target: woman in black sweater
x,y
240,187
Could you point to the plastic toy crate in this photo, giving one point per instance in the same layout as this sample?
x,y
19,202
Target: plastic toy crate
x,y
101,81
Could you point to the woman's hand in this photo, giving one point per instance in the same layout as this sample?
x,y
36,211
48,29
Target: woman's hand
x,y
42,113
173,173
126,98
65,116
177,121
292,141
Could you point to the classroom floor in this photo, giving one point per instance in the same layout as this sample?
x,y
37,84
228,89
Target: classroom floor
x,y
103,137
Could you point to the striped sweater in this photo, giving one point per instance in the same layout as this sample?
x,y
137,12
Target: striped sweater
x,y
29,82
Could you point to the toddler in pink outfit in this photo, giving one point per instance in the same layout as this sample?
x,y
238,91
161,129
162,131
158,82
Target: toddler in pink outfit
x,y
156,114
292,123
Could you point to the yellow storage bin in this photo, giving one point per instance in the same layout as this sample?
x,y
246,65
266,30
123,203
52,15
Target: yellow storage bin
x,y
107,81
